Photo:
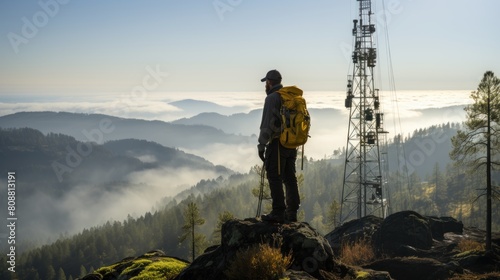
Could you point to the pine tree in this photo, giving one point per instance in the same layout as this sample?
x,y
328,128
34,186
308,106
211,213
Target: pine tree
x,y
440,197
83,271
51,273
317,211
332,214
475,145
61,275
192,218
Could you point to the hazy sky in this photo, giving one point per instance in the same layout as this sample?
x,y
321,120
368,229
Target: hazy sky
x,y
64,46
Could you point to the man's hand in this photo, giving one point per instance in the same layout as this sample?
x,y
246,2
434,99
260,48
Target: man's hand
x,y
262,150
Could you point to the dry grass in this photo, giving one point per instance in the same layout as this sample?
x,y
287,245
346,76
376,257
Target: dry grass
x,y
470,245
487,276
357,253
467,245
259,262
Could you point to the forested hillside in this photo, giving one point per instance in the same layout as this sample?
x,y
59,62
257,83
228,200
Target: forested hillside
x,y
422,150
65,185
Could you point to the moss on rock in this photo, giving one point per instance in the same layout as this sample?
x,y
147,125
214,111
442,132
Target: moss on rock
x,y
150,266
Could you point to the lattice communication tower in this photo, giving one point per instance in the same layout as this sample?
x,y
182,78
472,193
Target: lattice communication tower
x,y
363,185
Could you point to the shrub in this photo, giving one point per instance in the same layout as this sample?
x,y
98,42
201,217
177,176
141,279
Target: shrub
x,y
357,253
259,262
470,245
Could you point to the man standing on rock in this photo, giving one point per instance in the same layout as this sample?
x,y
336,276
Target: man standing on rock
x,y
279,161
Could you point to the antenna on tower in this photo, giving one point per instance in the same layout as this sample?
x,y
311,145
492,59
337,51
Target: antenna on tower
x,y
363,186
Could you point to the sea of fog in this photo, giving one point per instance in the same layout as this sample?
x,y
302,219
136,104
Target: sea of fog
x,y
404,111
157,105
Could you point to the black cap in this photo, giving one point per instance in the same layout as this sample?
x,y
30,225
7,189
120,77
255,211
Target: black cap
x,y
272,75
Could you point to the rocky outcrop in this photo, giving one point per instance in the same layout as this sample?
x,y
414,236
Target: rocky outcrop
x,y
401,232
405,233
353,231
410,246
310,251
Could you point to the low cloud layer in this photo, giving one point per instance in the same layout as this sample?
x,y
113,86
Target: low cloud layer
x,y
43,218
240,157
155,105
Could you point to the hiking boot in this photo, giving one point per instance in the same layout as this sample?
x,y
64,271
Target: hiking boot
x,y
273,217
291,217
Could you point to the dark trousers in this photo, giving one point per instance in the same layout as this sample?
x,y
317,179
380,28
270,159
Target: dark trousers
x,y
280,157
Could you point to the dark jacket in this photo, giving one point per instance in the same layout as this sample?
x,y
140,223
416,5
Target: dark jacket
x,y
270,126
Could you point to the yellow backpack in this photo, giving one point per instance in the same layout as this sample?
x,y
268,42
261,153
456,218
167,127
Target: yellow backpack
x,y
295,119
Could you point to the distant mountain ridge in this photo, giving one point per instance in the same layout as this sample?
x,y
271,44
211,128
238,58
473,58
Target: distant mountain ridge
x,y
240,123
248,123
101,128
194,107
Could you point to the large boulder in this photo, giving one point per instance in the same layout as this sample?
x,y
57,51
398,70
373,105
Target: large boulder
x,y
366,228
401,233
440,226
353,231
310,251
